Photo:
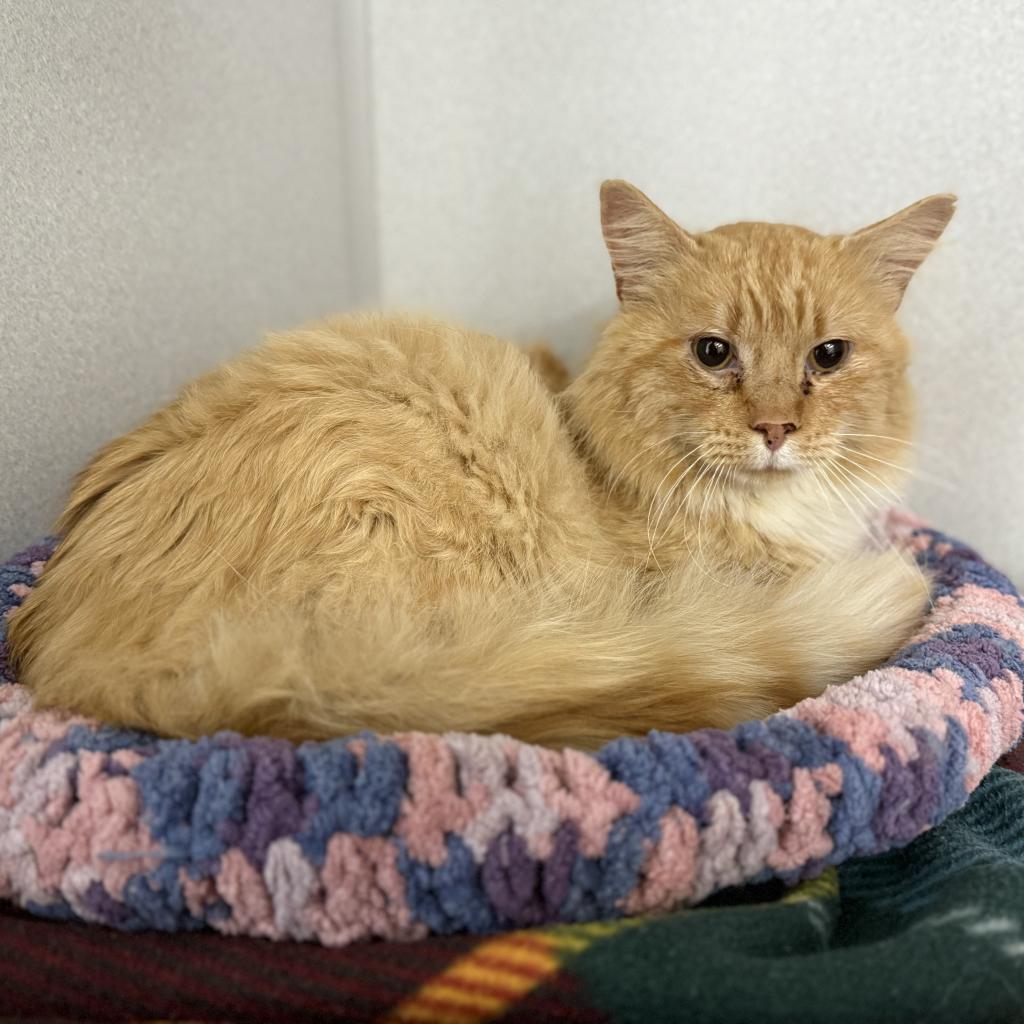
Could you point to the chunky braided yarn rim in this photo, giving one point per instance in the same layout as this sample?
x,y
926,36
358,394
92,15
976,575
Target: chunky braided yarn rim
x,y
405,835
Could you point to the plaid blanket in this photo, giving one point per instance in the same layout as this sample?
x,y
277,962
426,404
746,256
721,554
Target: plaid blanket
x,y
932,932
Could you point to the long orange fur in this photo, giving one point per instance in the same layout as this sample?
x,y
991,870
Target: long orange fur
x,y
392,523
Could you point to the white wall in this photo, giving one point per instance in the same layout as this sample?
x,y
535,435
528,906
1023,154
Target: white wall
x,y
494,124
172,184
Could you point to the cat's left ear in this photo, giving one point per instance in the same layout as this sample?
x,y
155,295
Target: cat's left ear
x,y
896,247
642,241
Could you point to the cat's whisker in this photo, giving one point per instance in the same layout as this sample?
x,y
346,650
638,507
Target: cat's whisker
x,y
880,437
668,499
857,518
657,492
701,564
918,474
879,538
871,496
860,519
838,507
711,466
673,488
896,440
709,490
700,476
895,496
904,470
821,490
619,475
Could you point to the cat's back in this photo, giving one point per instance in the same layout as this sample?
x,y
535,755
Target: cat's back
x,y
349,429
363,458
348,454
417,418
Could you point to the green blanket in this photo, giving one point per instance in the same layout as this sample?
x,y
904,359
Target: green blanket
x,y
933,932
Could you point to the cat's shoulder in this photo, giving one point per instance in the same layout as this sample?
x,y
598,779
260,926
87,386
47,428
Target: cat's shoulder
x,y
381,342
374,350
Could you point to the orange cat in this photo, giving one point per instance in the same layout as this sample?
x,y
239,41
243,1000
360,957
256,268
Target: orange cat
x,y
391,523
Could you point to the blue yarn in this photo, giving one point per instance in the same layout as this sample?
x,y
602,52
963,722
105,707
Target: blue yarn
x,y
60,910
853,809
158,901
346,797
623,857
961,565
953,770
974,651
665,767
583,903
102,738
794,740
646,767
168,782
220,801
449,898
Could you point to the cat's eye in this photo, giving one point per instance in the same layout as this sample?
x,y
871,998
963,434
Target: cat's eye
x,y
715,353
829,354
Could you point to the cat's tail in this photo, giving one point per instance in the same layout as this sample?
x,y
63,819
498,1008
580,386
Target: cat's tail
x,y
585,657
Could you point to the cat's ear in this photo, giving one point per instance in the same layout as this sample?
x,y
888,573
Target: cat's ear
x,y
641,240
897,246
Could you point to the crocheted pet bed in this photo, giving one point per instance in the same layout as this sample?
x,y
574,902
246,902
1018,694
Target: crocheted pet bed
x,y
405,835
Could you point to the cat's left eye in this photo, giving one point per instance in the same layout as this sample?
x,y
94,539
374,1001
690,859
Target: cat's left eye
x,y
829,355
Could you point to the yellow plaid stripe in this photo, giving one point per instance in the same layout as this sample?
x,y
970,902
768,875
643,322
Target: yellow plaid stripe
x,y
481,985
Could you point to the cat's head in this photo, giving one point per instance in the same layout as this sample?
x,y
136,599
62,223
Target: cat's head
x,y
758,352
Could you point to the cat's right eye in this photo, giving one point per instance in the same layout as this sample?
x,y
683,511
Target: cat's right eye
x,y
715,353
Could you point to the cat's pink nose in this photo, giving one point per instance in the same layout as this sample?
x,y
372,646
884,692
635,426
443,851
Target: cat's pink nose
x,y
774,434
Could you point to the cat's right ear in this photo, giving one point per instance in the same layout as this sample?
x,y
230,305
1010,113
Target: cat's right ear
x,y
641,240
896,246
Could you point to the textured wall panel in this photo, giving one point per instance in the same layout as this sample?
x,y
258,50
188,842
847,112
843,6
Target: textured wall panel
x,y
171,186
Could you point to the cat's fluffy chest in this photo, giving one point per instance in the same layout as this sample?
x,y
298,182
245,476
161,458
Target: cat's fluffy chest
x,y
793,523
774,527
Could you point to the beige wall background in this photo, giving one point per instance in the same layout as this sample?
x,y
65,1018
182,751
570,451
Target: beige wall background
x,y
173,182
177,178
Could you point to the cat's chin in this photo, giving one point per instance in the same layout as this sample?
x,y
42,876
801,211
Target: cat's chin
x,y
762,463
773,463
768,474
